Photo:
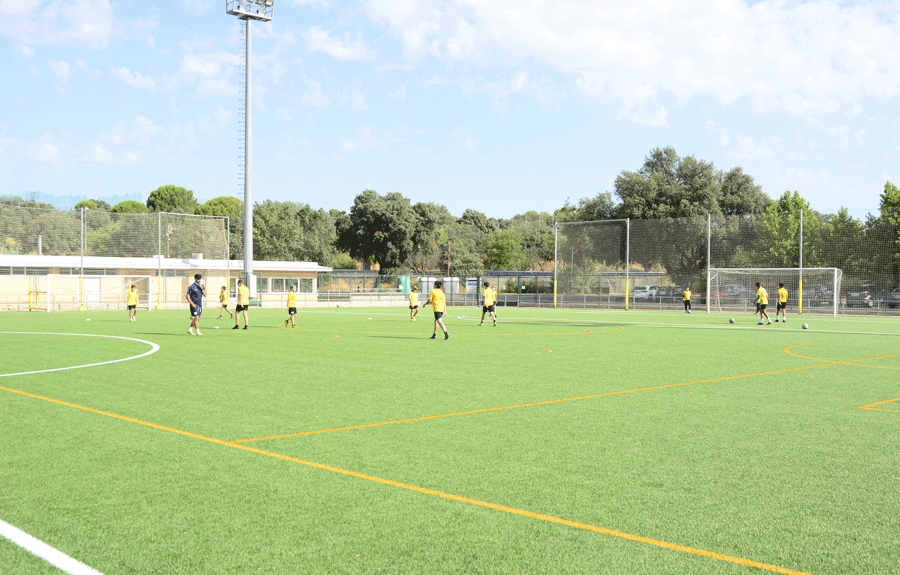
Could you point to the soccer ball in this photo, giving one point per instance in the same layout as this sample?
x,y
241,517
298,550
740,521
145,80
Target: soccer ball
x,y
216,327
731,320
805,326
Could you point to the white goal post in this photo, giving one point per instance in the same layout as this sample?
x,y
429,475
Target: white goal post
x,y
91,292
734,289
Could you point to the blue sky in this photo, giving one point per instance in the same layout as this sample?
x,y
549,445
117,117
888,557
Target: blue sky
x,y
501,106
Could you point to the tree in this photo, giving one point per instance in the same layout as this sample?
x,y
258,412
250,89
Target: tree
x,y
741,195
536,230
505,250
380,229
287,231
129,207
172,199
480,221
93,205
781,232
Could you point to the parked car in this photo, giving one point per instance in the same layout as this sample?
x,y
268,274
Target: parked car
x,y
817,295
893,299
669,294
864,295
641,292
735,292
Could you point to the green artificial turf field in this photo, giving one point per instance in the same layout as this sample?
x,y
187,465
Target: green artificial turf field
x,y
560,441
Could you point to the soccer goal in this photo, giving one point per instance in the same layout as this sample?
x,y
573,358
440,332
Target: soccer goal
x,y
69,292
808,288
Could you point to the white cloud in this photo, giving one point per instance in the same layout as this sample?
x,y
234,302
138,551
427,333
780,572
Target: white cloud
x,y
93,74
45,151
816,56
314,96
26,51
319,40
365,140
134,79
212,73
18,7
101,155
78,22
61,69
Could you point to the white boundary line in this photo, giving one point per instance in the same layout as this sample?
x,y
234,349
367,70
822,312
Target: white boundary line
x,y
49,554
153,349
24,540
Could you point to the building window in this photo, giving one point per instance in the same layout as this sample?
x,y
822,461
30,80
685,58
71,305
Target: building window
x,y
262,285
305,285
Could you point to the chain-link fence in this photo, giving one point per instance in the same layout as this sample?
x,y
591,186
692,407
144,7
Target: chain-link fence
x,y
83,232
665,256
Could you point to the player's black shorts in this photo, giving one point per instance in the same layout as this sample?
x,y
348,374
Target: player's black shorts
x,y
488,308
225,306
780,305
763,306
197,310
438,314
132,307
413,307
292,311
239,308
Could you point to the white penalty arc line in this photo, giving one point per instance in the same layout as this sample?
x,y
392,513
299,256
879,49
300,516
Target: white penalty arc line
x,y
153,349
49,554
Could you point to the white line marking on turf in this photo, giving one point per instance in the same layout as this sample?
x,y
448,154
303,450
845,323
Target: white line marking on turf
x,y
49,554
153,346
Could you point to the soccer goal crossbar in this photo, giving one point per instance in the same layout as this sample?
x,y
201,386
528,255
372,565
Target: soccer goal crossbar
x,y
734,289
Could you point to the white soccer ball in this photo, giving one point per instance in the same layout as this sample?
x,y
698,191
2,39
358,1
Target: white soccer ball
x,y
805,326
370,318
88,319
731,320
215,327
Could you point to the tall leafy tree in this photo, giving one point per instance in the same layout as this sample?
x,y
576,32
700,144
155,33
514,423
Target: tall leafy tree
x,y
381,228
505,250
129,207
287,231
173,199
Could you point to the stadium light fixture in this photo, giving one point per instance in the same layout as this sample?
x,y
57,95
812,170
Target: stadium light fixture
x,y
242,9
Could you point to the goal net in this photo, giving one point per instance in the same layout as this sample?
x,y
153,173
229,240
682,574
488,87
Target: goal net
x,y
71,292
734,289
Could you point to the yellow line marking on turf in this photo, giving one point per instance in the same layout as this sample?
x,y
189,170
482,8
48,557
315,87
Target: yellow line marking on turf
x,y
427,491
548,402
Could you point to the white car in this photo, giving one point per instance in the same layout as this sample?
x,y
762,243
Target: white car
x,y
643,292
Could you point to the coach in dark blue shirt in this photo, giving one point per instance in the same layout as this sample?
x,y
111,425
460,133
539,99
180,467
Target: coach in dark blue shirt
x,y
194,296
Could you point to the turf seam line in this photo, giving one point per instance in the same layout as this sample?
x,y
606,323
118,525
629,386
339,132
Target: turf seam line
x,y
44,551
427,491
534,404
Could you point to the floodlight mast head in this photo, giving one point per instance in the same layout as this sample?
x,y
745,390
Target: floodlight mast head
x,y
250,9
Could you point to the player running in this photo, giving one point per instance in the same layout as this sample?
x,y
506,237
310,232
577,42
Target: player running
x,y
438,301
413,303
490,303
292,306
763,297
223,301
132,301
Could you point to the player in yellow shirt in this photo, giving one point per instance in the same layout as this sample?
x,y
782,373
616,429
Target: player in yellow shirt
x,y
243,304
490,303
132,301
438,301
223,301
413,303
686,297
763,297
781,304
292,306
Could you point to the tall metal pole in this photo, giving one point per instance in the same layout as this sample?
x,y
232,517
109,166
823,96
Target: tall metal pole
x,y
248,166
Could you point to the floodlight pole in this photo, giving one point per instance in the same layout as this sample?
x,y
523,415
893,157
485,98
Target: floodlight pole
x,y
248,10
248,164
